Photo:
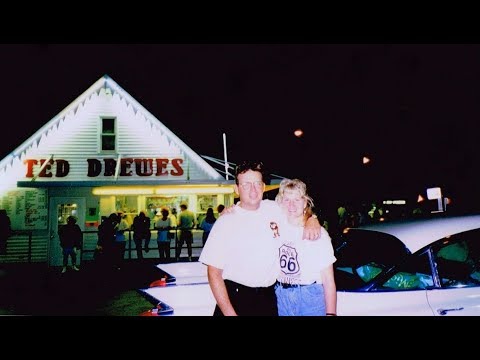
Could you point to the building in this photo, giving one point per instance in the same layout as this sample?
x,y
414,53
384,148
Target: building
x,y
103,153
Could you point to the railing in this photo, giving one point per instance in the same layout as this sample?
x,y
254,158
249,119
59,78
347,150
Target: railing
x,y
25,247
90,239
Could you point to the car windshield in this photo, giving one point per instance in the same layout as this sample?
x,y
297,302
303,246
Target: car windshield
x,y
363,255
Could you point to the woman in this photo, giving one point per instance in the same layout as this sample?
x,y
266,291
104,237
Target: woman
x,y
163,226
207,224
306,284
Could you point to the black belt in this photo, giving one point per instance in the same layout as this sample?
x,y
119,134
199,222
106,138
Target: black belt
x,y
288,286
239,287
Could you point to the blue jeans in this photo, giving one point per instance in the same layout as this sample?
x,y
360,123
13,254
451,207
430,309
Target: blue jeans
x,y
307,300
69,251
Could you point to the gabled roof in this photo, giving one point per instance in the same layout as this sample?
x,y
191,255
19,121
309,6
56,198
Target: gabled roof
x,y
104,85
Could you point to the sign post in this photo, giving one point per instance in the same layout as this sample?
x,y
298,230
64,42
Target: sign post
x,y
436,193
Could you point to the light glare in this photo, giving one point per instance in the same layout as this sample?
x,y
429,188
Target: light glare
x,y
298,133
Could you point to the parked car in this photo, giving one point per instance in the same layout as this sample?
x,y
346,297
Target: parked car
x,y
427,267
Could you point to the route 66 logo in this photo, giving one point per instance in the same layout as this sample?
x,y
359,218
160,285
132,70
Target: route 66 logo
x,y
289,260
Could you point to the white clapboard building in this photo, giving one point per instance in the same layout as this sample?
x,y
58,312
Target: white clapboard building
x,y
103,153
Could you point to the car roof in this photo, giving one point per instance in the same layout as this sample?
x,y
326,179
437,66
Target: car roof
x,y
418,233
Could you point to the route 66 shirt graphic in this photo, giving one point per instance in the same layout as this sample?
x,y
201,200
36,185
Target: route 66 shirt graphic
x,y
302,261
289,256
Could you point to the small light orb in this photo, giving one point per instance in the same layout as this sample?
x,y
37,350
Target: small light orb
x,y
298,133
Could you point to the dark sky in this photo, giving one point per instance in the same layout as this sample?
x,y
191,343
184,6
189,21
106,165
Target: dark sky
x,y
414,109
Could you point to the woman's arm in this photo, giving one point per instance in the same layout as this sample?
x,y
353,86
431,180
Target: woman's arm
x,y
330,290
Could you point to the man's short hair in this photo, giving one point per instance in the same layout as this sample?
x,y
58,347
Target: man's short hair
x,y
253,165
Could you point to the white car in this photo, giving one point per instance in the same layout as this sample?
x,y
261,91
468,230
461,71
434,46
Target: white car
x,y
425,267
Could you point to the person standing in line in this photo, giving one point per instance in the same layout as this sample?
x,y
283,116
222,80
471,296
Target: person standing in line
x,y
186,223
120,239
173,223
207,224
5,231
163,227
241,253
141,232
306,283
220,209
105,250
71,238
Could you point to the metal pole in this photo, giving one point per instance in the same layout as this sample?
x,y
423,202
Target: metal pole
x,y
440,204
225,155
117,167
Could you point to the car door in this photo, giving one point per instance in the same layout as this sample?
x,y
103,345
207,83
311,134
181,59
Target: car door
x,y
383,303
455,301
456,261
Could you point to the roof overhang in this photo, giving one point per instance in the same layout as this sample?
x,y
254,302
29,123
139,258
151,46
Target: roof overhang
x,y
48,184
145,187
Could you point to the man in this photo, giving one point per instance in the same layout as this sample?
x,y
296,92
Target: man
x,y
71,239
186,222
141,232
5,231
242,249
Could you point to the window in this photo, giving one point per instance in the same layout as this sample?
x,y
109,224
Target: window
x,y
155,203
458,259
108,134
206,201
413,274
365,257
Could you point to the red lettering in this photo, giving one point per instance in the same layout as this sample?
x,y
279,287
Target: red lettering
x,y
125,167
63,168
30,163
94,167
110,166
176,164
161,167
46,170
144,167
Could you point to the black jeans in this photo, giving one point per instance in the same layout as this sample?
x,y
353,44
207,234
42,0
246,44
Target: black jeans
x,y
164,249
185,236
248,301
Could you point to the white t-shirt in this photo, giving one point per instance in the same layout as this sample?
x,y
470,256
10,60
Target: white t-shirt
x,y
162,235
244,245
301,261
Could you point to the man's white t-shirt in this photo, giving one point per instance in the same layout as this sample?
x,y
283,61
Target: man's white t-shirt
x,y
244,244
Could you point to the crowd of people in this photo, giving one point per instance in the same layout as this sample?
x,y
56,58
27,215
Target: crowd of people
x,y
113,235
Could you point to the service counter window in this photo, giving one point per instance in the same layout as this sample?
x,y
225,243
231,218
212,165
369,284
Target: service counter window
x,y
203,203
206,201
127,205
155,203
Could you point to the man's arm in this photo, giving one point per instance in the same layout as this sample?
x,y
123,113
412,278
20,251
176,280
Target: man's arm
x,y
312,229
219,291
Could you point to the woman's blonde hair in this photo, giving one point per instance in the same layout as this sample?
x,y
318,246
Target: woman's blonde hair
x,y
301,187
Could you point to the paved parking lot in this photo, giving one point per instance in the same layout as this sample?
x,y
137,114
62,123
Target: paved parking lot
x,y
35,289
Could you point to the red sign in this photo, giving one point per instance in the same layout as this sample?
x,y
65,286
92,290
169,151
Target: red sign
x,y
108,167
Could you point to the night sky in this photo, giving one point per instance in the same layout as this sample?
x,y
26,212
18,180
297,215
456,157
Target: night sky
x,y
414,109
